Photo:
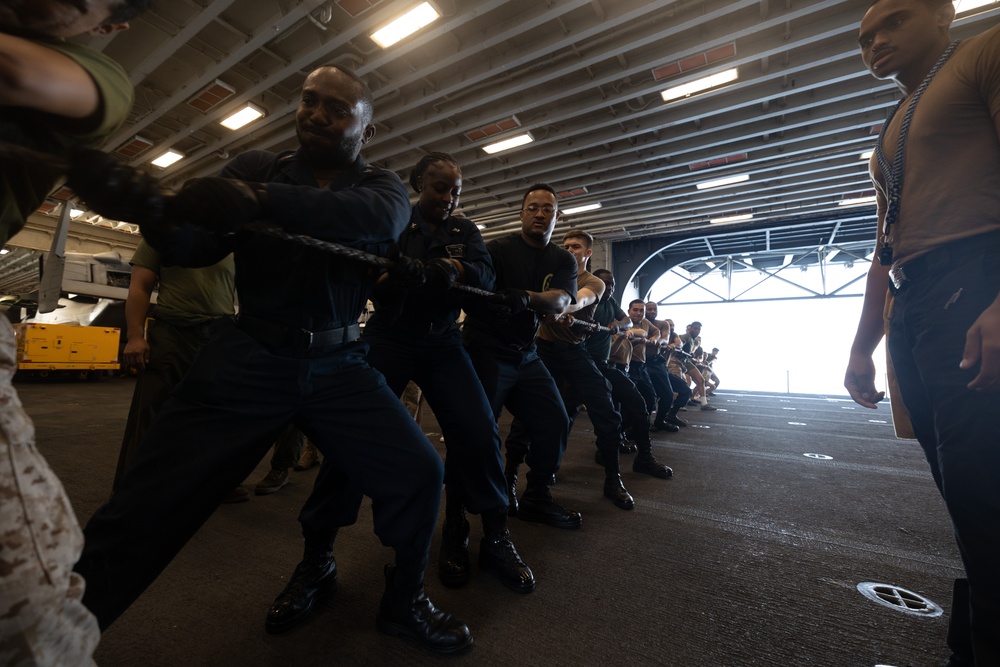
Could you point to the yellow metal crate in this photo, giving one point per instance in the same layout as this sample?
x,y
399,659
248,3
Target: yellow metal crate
x,y
66,347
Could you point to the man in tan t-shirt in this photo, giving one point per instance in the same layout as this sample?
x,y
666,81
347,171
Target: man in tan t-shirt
x,y
939,244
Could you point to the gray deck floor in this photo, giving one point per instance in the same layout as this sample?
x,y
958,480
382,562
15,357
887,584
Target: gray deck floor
x,y
750,556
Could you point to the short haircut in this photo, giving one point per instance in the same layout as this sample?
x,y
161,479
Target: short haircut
x,y
364,92
427,161
601,272
696,323
126,10
588,240
535,188
635,301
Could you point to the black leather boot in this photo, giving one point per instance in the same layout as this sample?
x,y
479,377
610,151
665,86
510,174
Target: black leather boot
x,y
538,505
664,425
510,472
672,418
453,561
647,464
498,555
613,486
616,491
960,627
408,613
314,578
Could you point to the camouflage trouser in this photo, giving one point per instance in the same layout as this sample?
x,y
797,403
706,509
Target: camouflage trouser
x,y
42,621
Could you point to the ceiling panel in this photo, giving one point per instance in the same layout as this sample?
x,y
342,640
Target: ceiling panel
x,y
583,76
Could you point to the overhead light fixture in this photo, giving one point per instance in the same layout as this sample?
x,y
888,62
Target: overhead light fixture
x,y
507,144
75,213
481,226
966,5
867,155
698,85
244,116
405,25
4,251
857,201
732,218
167,159
728,180
582,209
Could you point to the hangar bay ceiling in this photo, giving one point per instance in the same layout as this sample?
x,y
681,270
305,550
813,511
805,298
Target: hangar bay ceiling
x,y
584,78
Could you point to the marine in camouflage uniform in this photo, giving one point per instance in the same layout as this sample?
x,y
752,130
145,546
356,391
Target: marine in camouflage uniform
x,y
42,619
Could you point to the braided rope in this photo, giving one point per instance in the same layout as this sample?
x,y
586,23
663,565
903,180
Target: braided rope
x,y
348,253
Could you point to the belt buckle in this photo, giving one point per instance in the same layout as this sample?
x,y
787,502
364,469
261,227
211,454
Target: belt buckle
x,y
306,337
898,276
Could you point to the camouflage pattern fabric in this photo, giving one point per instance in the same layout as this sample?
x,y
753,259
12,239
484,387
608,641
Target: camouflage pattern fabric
x,y
42,621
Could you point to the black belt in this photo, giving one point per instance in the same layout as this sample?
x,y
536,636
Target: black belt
x,y
944,258
277,335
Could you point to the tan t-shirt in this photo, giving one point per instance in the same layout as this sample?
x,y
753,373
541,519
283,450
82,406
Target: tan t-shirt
x,y
639,344
557,332
951,179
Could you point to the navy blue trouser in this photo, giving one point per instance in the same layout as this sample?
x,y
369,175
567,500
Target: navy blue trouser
x,y
656,370
581,383
637,374
958,429
630,403
219,423
683,390
441,367
519,381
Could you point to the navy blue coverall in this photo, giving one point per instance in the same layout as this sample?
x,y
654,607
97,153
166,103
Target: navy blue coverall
x,y
417,339
291,356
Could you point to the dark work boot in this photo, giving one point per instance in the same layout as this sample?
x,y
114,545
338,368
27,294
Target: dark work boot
x,y
664,425
538,505
672,418
407,612
616,491
613,486
647,464
453,562
960,627
315,577
510,472
498,555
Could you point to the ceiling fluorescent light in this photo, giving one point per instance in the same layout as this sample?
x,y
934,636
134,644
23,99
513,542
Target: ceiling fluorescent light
x,y
582,209
732,218
692,87
857,201
966,5
728,180
405,25
507,144
244,116
167,159
867,155
75,213
4,251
